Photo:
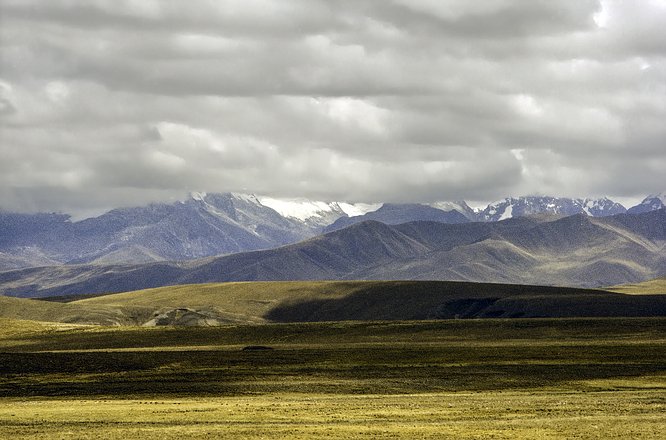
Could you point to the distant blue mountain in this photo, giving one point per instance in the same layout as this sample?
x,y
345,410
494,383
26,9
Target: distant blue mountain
x,y
204,225
650,203
208,225
395,214
534,205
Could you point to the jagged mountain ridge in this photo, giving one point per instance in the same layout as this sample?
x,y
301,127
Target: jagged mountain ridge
x,y
532,205
316,214
216,224
204,225
576,251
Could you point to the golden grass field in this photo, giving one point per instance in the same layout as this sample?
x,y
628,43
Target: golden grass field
x,y
625,414
520,378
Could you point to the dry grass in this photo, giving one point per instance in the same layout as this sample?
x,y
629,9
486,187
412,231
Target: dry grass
x,y
243,302
652,287
548,379
16,328
635,412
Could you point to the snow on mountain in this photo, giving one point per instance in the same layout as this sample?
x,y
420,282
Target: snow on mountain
x,y
601,207
650,203
460,206
316,213
507,213
662,197
355,209
302,209
247,213
532,205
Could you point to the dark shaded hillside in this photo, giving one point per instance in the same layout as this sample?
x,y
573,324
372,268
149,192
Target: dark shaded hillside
x,y
573,251
337,255
449,300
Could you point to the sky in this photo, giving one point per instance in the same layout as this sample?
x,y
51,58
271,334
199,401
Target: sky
x,y
107,103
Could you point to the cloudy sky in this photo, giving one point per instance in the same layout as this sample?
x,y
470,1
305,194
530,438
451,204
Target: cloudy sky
x,y
107,103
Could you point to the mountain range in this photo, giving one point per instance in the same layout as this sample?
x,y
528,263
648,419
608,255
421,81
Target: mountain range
x,y
207,225
577,251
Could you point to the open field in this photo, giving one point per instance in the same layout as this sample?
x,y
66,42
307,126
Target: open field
x,y
540,378
627,413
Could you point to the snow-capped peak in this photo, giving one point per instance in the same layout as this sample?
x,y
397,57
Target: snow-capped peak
x,y
356,209
301,209
304,209
650,203
531,205
661,196
460,206
250,198
199,196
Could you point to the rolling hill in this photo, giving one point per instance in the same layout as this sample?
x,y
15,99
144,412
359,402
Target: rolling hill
x,y
311,301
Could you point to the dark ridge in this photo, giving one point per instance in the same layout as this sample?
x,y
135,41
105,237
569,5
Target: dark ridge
x,y
71,298
256,348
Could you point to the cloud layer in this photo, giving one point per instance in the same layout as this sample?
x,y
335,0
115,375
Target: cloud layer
x,y
107,103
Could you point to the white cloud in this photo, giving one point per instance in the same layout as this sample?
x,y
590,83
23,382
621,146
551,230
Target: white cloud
x,y
110,102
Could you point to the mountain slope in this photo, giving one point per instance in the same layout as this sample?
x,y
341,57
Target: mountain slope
x,y
576,251
573,251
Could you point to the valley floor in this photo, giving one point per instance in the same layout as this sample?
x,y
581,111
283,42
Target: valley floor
x,y
541,378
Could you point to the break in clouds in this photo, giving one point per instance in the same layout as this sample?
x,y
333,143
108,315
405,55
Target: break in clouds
x,y
112,103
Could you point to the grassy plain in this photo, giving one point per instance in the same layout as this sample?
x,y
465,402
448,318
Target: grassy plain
x,y
508,378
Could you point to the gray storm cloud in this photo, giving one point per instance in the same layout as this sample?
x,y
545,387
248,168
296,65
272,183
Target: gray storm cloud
x,y
107,103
